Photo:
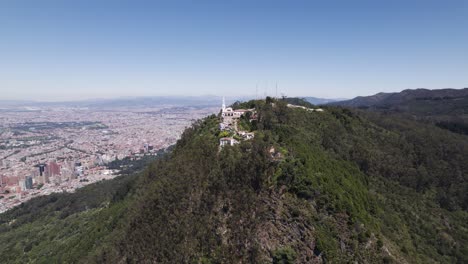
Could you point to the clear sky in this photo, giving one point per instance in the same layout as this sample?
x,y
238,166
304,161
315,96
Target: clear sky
x,y
56,50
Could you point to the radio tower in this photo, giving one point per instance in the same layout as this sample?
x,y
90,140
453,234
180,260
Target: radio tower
x,y
256,91
276,91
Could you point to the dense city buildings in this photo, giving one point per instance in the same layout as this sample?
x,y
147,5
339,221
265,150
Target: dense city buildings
x,y
61,148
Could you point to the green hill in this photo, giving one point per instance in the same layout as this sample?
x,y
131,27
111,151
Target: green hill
x,y
446,108
311,187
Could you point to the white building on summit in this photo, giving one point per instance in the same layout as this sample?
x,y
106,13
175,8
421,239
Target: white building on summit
x,y
228,125
229,112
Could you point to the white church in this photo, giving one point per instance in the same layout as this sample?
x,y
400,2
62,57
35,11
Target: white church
x,y
229,112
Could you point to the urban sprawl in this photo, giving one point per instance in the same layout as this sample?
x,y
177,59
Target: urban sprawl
x,y
60,149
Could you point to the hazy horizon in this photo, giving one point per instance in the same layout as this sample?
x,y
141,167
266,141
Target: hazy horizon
x,y
228,97
207,96
57,51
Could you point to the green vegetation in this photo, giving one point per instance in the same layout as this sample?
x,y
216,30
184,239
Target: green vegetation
x,y
223,134
63,227
446,108
337,186
284,256
131,166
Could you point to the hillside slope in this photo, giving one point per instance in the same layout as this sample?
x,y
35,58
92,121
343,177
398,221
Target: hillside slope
x,y
311,187
389,100
446,108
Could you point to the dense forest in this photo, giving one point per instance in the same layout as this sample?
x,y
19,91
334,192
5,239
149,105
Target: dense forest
x,y
445,108
336,186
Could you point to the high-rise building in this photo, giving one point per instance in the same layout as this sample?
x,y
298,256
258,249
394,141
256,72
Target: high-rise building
x,y
28,182
70,170
42,174
22,185
2,183
53,169
41,169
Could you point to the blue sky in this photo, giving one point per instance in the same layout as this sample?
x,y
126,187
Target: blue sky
x,y
64,50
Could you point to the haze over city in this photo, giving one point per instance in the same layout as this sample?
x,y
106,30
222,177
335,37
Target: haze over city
x,y
62,50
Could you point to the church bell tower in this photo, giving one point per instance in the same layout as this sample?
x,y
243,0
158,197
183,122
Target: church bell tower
x,y
224,105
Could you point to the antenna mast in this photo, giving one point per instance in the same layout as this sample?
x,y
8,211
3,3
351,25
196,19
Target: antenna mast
x,y
277,90
256,91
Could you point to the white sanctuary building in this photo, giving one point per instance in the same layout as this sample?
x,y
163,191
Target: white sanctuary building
x,y
229,112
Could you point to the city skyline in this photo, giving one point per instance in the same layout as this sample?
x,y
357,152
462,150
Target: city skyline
x,y
62,51
59,148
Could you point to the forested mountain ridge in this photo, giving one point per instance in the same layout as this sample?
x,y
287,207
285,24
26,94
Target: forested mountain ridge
x,y
446,108
311,187
394,99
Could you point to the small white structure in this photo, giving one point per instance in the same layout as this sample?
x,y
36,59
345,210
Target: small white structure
x,y
249,135
227,141
305,108
246,135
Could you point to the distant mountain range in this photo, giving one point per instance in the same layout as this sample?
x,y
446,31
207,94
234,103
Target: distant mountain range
x,y
319,101
392,100
446,108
